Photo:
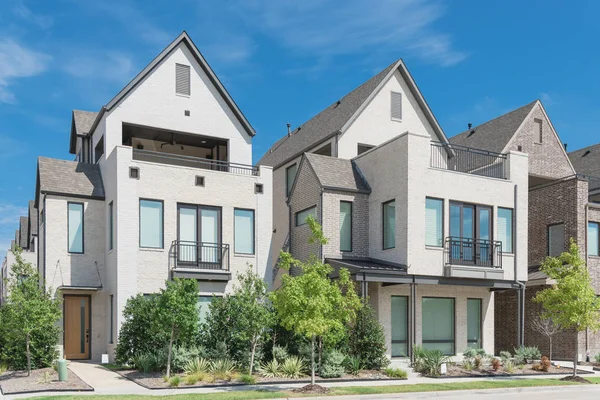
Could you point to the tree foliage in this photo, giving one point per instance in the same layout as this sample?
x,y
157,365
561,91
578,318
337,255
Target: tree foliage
x,y
29,330
366,339
571,302
311,304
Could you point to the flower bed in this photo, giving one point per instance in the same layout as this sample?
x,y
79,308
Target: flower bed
x,y
40,380
457,371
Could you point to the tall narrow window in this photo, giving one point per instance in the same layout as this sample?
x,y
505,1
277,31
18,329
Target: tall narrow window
x,y
399,326
474,323
290,176
151,224
110,226
556,240
244,231
593,239
434,217
438,324
99,150
389,224
75,223
345,226
396,105
203,307
112,319
539,130
182,79
505,229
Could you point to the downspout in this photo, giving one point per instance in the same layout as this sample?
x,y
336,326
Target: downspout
x,y
521,292
413,315
321,222
587,211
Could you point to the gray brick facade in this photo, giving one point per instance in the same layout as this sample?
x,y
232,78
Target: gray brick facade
x,y
360,224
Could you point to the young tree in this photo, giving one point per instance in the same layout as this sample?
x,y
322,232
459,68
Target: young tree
x,y
546,327
311,304
177,311
366,339
571,302
31,311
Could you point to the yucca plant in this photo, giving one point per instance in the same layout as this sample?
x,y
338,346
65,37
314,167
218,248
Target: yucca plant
x,y
353,365
197,366
293,367
431,362
270,369
222,369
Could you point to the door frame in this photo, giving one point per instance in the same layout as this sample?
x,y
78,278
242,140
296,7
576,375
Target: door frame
x,y
89,296
476,228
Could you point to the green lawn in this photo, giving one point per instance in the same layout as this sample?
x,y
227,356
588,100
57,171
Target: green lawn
x,y
356,390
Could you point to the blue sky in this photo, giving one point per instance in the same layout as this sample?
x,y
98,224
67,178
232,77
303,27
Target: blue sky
x,y
283,61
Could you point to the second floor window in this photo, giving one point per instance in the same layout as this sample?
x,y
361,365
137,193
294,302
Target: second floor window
x,y
110,226
345,226
593,239
505,229
301,216
290,176
434,217
75,225
244,231
389,224
556,239
151,224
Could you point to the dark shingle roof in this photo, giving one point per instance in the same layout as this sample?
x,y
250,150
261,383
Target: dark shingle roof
x,y
495,134
83,121
586,161
337,173
69,178
24,232
33,219
324,124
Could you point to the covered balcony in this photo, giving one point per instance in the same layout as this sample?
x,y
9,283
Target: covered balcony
x,y
468,160
200,260
182,149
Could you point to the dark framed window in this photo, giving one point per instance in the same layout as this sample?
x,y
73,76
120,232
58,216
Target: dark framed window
x,y
199,235
99,150
438,324
151,223
301,216
110,226
556,239
75,227
290,176
112,319
324,151
399,326
243,227
505,229
474,322
389,224
363,148
434,222
204,307
593,239
345,226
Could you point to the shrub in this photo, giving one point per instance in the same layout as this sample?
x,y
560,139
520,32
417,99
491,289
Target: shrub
x,y
597,358
184,355
396,373
293,367
354,365
150,361
191,379
476,357
247,379
505,356
536,367
468,365
280,353
366,339
270,369
429,361
525,355
509,366
174,381
496,364
4,368
545,364
197,366
418,355
332,365
222,369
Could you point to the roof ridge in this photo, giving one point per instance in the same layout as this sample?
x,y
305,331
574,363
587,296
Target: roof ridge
x,y
584,148
500,116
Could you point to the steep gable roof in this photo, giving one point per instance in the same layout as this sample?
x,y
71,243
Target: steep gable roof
x,y
586,161
495,134
338,116
81,124
337,173
68,178
187,41
23,232
33,219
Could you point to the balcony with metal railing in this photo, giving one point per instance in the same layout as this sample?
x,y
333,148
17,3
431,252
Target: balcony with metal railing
x,y
473,258
468,160
191,259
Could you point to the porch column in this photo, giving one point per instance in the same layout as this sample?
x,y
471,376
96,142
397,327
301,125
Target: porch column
x,y
521,316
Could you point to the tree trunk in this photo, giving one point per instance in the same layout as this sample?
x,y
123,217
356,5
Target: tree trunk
x,y
170,351
28,354
312,361
576,356
320,354
550,355
252,352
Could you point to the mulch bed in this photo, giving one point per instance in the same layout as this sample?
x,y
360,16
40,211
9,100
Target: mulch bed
x,y
572,378
457,371
154,380
40,380
312,389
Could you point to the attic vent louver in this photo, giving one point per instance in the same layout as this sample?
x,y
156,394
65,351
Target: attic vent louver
x,y
586,153
182,79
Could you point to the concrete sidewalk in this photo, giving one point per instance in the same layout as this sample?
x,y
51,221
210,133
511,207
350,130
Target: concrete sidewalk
x,y
105,381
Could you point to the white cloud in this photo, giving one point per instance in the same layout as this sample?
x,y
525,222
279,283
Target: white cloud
x,y
9,222
10,147
109,67
548,99
229,48
17,61
329,28
42,21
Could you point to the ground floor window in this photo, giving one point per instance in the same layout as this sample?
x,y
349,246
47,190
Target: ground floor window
x,y
203,310
399,326
438,324
474,323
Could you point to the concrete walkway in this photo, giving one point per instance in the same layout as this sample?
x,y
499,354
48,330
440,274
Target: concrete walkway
x,y
105,381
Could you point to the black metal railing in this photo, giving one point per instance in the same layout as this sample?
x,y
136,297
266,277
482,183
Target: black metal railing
x,y
472,161
214,256
477,252
195,162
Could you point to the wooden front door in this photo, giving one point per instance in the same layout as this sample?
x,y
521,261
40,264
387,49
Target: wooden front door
x,y
77,327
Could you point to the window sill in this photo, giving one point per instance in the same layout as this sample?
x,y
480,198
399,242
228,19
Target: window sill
x,y
243,255
396,119
539,143
389,248
151,250
430,247
594,256
508,254
187,96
